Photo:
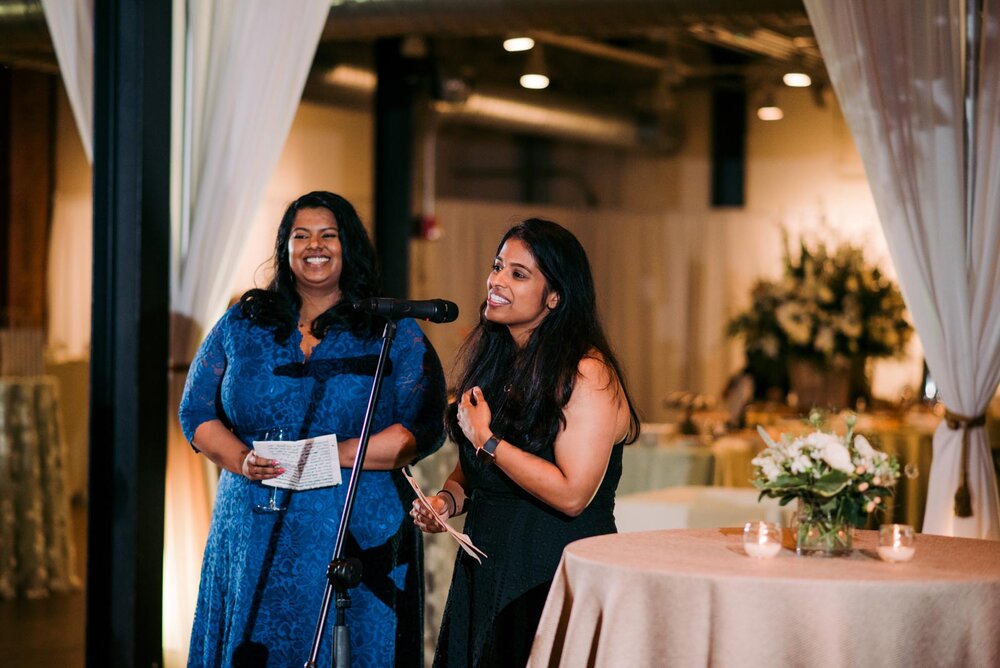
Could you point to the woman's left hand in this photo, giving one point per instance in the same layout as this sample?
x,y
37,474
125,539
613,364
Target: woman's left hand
x,y
474,416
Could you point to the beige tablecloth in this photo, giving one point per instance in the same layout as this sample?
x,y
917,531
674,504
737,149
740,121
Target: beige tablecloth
x,y
693,598
36,543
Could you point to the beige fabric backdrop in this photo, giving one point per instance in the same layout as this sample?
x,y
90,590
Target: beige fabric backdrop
x,y
666,283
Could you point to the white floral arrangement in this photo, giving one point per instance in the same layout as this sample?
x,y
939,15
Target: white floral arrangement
x,y
829,305
840,477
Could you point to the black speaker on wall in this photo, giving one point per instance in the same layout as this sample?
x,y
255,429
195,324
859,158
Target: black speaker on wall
x,y
729,129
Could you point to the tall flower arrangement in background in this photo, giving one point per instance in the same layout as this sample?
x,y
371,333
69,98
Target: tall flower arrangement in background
x,y
830,306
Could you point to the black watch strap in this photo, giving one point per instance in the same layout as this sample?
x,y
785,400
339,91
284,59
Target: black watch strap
x,y
488,452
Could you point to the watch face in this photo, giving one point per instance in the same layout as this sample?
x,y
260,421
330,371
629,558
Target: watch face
x,y
487,453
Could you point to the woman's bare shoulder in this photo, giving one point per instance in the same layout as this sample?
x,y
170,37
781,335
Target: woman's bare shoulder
x,y
594,371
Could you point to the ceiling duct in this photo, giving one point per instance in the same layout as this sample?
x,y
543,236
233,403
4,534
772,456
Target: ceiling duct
x,y
367,19
513,112
24,35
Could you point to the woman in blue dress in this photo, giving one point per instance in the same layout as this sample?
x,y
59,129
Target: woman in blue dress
x,y
299,357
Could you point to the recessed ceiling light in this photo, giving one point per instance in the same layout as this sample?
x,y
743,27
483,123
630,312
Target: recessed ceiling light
x,y
770,113
535,75
518,44
534,81
797,79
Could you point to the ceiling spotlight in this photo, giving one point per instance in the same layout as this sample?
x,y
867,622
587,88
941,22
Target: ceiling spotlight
x,y
770,113
797,79
518,44
769,109
536,74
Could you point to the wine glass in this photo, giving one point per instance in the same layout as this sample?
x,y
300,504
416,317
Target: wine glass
x,y
274,434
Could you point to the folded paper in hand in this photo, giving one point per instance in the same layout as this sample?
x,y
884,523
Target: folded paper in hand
x,y
463,539
309,463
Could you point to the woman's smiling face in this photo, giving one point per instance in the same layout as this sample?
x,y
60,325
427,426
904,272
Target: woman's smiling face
x,y
314,251
517,294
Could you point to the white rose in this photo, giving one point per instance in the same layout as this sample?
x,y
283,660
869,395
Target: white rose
x,y
795,322
767,467
837,456
800,464
832,451
865,448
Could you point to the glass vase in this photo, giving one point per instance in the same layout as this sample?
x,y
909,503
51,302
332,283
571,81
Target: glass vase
x,y
821,533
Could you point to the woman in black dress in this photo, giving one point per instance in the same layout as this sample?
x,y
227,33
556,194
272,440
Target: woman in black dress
x,y
541,419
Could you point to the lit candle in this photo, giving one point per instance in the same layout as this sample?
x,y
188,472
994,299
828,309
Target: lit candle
x,y
895,542
762,549
895,552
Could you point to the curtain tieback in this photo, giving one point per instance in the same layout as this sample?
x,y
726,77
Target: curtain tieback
x,y
963,499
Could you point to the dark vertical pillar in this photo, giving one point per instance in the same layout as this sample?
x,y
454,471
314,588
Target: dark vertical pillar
x,y
393,164
129,336
729,128
535,170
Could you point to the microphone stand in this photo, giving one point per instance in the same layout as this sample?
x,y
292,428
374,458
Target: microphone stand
x,y
344,574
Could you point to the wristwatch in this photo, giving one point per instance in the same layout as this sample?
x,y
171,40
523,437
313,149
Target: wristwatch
x,y
488,453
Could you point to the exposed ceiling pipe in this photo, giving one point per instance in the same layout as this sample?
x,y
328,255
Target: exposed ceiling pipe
x,y
513,113
550,120
24,35
367,19
601,50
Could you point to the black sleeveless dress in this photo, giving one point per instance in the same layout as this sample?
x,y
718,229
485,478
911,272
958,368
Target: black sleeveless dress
x,y
493,608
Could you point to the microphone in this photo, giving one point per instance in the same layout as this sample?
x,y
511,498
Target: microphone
x,y
433,310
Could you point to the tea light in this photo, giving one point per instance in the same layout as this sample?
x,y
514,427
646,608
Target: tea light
x,y
761,540
895,542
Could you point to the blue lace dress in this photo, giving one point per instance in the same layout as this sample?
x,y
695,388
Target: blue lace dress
x,y
263,575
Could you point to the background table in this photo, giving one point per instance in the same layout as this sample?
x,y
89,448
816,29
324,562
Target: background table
x,y
667,462
697,507
36,549
693,598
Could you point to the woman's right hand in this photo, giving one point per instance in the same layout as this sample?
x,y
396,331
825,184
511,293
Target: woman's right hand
x,y
423,518
259,468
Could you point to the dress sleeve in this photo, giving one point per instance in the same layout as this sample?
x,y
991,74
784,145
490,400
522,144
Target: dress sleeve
x,y
420,396
201,399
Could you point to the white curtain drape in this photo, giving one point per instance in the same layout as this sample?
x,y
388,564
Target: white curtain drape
x,y
918,84
246,66
71,25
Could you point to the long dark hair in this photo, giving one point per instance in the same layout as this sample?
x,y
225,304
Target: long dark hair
x,y
528,389
276,307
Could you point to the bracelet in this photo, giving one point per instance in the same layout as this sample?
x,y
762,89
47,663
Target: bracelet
x,y
454,503
243,464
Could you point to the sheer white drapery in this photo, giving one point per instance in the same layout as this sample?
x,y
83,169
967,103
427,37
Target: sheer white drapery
x,y
71,25
246,66
918,84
